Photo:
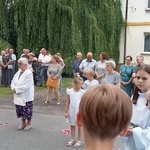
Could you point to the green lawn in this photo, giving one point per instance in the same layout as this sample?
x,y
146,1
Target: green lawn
x,y
6,91
67,82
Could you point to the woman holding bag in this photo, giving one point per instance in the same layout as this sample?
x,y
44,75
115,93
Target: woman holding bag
x,y
53,73
23,87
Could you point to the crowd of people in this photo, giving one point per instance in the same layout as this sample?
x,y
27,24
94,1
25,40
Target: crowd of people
x,y
93,107
101,99
29,72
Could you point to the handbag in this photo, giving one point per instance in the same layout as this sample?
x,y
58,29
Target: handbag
x,y
19,101
10,66
51,82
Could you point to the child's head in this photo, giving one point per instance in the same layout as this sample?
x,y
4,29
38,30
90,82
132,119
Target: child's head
x,y
105,111
78,81
143,77
90,74
142,81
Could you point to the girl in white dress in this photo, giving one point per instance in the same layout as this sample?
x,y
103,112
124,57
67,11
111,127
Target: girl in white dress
x,y
72,106
139,134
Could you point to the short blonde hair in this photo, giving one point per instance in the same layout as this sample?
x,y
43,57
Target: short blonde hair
x,y
91,72
105,110
79,53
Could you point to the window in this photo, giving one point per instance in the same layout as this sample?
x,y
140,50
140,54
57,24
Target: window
x,y
148,4
147,42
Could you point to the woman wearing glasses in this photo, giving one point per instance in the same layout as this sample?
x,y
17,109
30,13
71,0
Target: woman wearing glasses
x,y
126,72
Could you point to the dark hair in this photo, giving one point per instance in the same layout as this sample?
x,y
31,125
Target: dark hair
x,y
104,55
145,68
129,57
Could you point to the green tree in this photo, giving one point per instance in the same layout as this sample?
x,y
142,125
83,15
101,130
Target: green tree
x,y
64,26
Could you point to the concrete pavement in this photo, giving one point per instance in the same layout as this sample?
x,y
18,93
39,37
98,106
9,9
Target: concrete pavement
x,y
44,135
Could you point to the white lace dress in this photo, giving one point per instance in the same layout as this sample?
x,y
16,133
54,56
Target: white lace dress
x,y
75,98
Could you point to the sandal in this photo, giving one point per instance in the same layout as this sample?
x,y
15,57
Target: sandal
x,y
58,103
71,142
46,102
77,144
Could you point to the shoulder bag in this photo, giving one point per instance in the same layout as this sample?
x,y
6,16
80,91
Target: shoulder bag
x,y
51,82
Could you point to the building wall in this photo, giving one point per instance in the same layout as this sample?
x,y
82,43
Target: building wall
x,y
138,22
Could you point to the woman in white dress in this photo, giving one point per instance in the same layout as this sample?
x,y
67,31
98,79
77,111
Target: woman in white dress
x,y
139,134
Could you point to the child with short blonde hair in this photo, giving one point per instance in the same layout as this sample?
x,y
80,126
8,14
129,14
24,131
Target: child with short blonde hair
x,y
90,80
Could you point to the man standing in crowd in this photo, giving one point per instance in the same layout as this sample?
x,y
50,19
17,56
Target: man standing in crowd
x,y
76,64
25,52
140,62
44,62
88,63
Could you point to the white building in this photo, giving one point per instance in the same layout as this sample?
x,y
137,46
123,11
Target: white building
x,y
137,15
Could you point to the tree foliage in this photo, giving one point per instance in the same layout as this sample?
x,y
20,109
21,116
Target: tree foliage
x,y
64,26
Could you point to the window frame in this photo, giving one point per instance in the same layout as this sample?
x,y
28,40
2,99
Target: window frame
x,y
148,4
147,43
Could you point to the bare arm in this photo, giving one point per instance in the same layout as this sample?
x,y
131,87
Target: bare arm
x,y
63,64
125,83
118,84
56,76
99,76
67,106
8,62
83,71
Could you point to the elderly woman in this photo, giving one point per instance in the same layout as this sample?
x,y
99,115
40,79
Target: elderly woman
x,y
23,87
54,71
111,76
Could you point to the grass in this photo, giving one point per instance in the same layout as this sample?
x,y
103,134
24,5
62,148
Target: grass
x,y
6,91
67,82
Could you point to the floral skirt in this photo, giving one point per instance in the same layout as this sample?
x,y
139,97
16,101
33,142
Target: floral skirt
x,y
25,112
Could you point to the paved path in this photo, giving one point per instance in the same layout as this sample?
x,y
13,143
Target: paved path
x,y
44,135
